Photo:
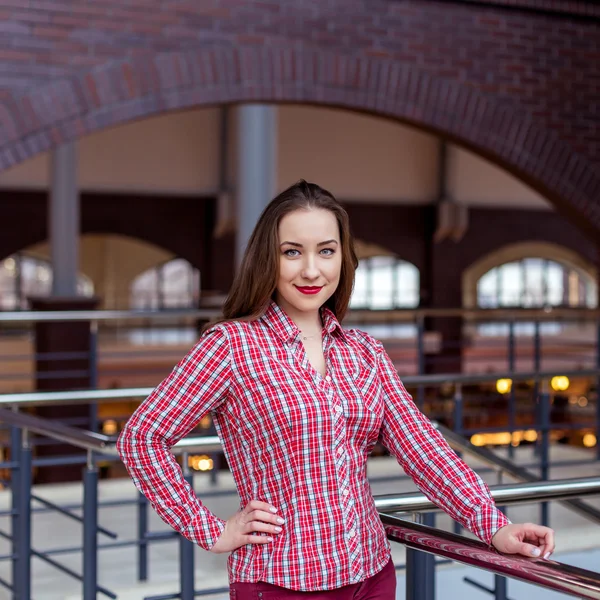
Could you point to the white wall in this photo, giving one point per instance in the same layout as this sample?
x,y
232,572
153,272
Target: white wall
x,y
355,156
475,181
358,157
174,153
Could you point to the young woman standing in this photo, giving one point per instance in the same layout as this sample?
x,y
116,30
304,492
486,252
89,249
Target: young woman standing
x,y
298,403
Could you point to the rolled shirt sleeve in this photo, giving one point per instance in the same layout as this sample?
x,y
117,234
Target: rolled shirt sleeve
x,y
435,468
196,386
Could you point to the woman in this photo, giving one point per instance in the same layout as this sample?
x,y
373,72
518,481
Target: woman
x,y
298,403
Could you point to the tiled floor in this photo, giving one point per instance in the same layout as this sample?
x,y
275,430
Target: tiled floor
x,y
578,540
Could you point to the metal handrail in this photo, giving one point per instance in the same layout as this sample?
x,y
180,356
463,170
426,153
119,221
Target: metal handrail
x,y
354,315
96,442
83,396
461,444
545,573
506,494
34,316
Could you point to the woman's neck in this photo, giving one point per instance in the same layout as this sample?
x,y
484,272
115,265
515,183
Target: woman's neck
x,y
307,322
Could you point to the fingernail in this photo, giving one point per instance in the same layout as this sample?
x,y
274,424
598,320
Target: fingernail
x,y
280,520
277,529
273,509
270,539
536,552
547,555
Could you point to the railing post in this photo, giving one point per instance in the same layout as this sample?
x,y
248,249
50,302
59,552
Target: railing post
x,y
458,428
24,533
511,397
15,489
421,359
500,582
93,370
536,383
142,506
500,587
186,549
90,529
544,445
598,390
458,409
420,568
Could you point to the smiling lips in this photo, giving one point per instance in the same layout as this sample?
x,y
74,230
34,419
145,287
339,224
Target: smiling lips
x,y
309,289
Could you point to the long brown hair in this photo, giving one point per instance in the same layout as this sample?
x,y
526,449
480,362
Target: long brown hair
x,y
256,278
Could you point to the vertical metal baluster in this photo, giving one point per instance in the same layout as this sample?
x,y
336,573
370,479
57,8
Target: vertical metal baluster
x,y
142,506
25,520
93,370
598,390
545,446
511,399
15,491
420,569
186,550
458,428
536,383
421,359
90,528
500,583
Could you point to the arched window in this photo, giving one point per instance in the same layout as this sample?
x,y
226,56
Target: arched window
x,y
536,282
174,284
23,276
385,282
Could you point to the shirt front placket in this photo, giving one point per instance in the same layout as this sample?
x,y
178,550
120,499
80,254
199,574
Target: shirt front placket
x,y
342,464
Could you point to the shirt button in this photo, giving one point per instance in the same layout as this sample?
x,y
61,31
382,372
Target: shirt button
x,y
328,378
346,492
339,409
340,450
351,533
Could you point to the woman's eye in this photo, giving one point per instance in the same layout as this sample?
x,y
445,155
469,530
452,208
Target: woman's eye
x,y
328,251
290,252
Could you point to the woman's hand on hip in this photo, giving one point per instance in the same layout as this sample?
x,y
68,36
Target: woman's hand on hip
x,y
527,539
244,526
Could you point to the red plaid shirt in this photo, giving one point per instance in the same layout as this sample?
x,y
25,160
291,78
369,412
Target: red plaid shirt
x,y
299,441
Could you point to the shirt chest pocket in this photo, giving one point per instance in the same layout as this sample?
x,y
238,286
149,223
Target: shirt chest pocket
x,y
364,407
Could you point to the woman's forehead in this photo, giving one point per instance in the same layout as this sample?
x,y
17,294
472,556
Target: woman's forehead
x,y
313,225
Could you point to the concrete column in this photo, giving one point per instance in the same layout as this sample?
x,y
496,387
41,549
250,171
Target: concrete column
x,y
256,179
63,221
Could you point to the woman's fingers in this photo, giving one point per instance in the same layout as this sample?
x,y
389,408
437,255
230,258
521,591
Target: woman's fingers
x,y
261,515
257,539
260,526
541,537
259,505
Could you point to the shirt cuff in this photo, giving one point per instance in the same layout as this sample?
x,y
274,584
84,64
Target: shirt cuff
x,y
206,531
487,520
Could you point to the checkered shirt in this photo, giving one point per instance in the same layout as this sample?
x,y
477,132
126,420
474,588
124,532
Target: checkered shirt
x,y
300,442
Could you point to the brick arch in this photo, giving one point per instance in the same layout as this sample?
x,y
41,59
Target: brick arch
x,y
147,85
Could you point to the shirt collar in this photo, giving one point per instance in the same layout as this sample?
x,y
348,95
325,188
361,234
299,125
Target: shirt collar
x,y
276,318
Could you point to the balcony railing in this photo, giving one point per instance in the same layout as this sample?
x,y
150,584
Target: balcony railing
x,y
549,574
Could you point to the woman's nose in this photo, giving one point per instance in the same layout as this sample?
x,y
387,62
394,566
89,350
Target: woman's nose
x,y
310,270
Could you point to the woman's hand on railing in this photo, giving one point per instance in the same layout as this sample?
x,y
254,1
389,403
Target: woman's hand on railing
x,y
527,539
244,526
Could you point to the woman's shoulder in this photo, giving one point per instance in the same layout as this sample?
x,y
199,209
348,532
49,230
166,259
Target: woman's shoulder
x,y
363,340
233,329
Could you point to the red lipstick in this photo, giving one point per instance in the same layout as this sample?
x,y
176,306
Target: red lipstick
x,y
309,289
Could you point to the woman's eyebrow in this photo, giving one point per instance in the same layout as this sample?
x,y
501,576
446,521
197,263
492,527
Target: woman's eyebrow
x,y
301,246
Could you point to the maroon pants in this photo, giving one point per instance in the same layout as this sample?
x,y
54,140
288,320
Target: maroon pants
x,y
382,586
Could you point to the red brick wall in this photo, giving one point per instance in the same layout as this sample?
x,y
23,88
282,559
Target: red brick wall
x,y
521,87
